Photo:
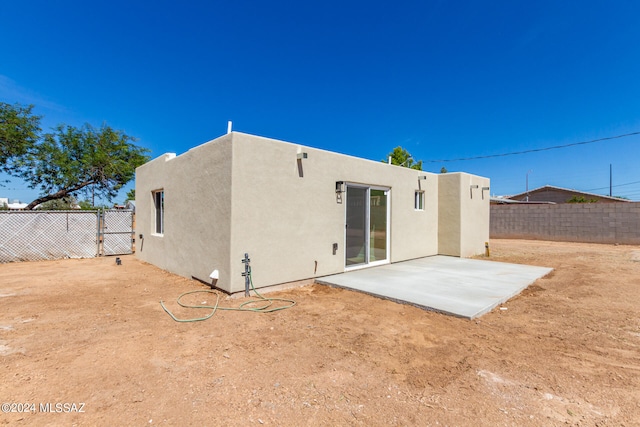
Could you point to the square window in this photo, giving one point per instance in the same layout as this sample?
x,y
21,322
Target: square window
x,y
158,203
419,201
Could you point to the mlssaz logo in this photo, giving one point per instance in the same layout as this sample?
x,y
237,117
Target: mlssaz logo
x,y
62,407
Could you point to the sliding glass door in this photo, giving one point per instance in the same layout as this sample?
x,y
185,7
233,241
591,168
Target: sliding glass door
x,y
367,225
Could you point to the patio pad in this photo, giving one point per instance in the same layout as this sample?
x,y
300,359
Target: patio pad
x,y
461,287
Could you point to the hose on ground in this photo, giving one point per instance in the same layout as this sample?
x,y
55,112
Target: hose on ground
x,y
264,307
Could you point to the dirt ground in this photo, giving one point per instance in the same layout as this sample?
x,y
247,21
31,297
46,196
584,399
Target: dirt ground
x,y
92,335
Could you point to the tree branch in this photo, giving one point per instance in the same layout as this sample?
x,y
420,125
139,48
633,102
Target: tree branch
x,y
57,195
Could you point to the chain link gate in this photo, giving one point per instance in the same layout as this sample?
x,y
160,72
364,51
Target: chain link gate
x,y
116,232
43,235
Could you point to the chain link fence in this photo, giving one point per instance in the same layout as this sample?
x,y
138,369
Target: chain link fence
x,y
43,235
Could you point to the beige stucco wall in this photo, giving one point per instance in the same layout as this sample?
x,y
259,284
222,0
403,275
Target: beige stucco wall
x,y
246,194
463,214
449,214
288,223
197,198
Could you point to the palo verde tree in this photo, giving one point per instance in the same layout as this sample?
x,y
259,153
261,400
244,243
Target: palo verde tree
x,y
70,161
401,157
19,131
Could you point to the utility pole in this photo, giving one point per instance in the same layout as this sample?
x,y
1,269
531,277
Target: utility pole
x,y
528,172
610,179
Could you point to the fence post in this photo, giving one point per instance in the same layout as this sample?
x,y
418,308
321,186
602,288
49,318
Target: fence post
x,y
98,233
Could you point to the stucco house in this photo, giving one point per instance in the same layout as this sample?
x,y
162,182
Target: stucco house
x,y
298,212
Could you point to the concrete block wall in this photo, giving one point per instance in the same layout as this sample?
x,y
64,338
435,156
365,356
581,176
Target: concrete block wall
x,y
570,222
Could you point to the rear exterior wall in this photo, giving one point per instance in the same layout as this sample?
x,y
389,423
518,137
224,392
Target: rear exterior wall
x,y
463,214
287,215
197,210
246,194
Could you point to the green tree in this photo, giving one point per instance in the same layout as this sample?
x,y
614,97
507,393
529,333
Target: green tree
x,y
401,157
85,205
19,130
88,160
581,199
443,170
63,204
131,195
68,160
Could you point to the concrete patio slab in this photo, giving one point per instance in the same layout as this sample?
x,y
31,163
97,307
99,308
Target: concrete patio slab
x,y
458,286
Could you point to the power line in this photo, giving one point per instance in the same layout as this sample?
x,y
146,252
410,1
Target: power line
x,y
618,185
534,149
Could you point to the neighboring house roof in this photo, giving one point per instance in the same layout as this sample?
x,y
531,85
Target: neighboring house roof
x,y
506,201
17,205
550,193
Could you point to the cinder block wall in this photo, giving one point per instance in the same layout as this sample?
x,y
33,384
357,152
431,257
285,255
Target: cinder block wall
x,y
570,222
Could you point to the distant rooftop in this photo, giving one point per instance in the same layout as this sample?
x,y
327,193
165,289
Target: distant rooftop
x,y
550,193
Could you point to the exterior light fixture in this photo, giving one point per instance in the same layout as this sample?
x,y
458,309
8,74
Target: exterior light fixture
x,y
471,187
300,156
483,190
420,179
339,187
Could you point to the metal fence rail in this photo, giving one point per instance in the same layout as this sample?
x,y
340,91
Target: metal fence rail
x,y
42,235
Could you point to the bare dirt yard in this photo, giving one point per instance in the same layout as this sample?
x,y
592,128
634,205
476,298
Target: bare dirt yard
x,y
92,335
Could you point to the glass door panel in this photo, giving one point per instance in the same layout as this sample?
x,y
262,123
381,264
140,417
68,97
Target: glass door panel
x,y
356,226
377,225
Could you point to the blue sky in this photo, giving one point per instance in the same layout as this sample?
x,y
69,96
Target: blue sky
x,y
443,79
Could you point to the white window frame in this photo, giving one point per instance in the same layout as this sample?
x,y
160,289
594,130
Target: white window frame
x,y
158,212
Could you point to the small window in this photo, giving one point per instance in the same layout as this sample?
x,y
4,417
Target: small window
x,y
419,201
158,202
